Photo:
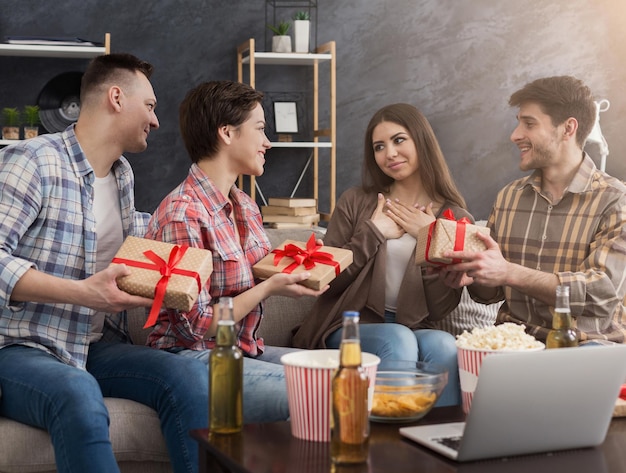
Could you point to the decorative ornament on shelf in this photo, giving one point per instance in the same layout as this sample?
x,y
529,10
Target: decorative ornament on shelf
x,y
11,123
31,116
281,41
301,31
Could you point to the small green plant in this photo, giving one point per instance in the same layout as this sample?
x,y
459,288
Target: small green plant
x,y
281,29
302,15
31,115
11,116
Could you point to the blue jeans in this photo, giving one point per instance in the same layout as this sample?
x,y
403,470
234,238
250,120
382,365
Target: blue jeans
x,y
40,390
391,341
264,388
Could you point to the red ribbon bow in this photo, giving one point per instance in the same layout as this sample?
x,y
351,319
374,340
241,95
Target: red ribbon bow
x,y
308,257
459,239
167,269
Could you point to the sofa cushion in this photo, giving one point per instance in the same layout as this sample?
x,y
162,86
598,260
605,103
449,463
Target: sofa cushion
x,y
136,320
281,315
467,315
135,431
279,235
135,435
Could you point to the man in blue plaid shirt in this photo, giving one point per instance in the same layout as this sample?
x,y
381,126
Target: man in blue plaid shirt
x,y
66,205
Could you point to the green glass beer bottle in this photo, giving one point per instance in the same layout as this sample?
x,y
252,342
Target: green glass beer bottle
x,y
225,374
562,334
350,429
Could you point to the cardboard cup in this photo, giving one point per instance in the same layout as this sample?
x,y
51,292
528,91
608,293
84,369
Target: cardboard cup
x,y
309,374
470,360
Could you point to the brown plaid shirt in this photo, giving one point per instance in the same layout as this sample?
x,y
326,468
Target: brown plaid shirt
x,y
581,239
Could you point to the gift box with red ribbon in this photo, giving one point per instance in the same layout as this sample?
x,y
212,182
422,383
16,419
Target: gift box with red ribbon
x,y
323,262
173,275
447,234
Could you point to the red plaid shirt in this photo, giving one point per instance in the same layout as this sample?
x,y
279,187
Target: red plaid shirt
x,y
197,214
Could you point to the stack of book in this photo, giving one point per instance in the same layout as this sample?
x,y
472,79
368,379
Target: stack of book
x,y
290,212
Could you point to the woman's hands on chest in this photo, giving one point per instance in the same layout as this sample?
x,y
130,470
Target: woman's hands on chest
x,y
394,218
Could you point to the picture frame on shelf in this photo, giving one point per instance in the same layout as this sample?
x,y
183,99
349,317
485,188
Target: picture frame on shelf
x,y
286,121
285,117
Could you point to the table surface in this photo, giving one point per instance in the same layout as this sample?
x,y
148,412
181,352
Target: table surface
x,y
270,448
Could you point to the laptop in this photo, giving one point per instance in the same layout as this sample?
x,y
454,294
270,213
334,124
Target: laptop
x,y
533,402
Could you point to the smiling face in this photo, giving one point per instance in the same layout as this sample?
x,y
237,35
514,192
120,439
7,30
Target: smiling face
x,y
138,103
250,144
394,150
536,137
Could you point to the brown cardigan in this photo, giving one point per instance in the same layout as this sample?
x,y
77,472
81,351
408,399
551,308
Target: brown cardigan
x,y
421,299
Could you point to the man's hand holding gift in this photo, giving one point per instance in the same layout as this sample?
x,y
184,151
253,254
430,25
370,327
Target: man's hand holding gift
x,y
486,268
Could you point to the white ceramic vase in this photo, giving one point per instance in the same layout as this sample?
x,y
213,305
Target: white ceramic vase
x,y
301,29
281,44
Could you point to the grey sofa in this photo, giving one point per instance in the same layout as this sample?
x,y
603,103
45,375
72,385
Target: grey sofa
x,y
135,431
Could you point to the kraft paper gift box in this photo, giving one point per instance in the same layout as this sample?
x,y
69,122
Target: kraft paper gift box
x,y
172,275
447,234
297,257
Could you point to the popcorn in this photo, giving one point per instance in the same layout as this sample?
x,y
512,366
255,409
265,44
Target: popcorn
x,y
506,336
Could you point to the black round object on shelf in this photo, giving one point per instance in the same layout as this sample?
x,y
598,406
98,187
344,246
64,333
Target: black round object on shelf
x,y
59,101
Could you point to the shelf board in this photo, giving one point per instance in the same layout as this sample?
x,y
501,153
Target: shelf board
x,y
8,142
301,144
40,50
287,59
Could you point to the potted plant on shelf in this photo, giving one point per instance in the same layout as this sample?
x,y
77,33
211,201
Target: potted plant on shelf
x,y
11,123
281,41
301,29
31,116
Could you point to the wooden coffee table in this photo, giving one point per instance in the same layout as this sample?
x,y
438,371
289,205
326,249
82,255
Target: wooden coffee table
x,y
270,448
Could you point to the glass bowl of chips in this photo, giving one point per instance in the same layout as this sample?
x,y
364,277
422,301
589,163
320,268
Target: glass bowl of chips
x,y
406,391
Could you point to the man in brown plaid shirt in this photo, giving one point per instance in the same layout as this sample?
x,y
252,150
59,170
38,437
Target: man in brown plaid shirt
x,y
564,224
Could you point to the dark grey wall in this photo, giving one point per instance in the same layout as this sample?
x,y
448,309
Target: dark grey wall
x,y
457,60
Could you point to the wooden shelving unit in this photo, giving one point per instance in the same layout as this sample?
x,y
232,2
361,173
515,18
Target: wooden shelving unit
x,y
54,51
322,138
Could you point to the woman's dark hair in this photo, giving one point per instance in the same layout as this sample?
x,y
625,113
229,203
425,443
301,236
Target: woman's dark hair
x,y
434,171
209,106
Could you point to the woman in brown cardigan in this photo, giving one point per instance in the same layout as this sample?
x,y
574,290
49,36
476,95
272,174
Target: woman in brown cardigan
x,y
406,185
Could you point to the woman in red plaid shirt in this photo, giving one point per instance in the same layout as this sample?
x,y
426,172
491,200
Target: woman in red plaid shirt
x,y
223,127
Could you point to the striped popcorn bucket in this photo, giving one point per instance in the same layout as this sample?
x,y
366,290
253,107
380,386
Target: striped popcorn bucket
x,y
308,374
470,360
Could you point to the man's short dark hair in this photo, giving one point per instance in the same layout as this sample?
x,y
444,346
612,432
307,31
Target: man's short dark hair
x,y
111,68
561,97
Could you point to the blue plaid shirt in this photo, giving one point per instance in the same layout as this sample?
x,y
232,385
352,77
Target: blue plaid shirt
x,y
47,223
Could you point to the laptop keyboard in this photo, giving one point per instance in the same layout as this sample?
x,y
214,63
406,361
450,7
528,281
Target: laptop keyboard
x,y
451,442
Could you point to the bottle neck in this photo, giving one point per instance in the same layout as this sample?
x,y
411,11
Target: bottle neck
x,y
350,329
350,354
562,299
350,348
561,319
225,336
